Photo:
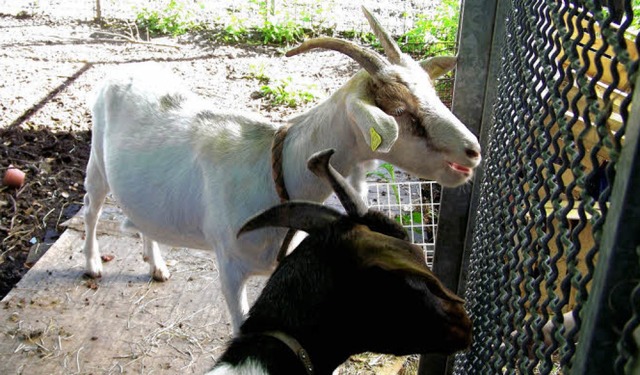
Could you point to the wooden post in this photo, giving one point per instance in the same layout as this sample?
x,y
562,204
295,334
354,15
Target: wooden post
x,y
98,17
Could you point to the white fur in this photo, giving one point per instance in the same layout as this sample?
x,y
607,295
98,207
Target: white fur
x,y
189,176
248,367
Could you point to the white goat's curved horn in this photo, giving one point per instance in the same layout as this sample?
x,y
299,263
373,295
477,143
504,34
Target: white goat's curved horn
x,y
367,59
305,216
318,163
390,47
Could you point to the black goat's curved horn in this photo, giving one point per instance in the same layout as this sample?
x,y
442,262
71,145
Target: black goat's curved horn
x,y
369,60
305,216
389,45
319,164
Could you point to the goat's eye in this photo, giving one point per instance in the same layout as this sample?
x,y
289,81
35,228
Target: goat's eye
x,y
398,112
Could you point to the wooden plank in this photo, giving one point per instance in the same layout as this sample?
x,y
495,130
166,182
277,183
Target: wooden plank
x,y
582,26
615,100
58,322
590,137
607,67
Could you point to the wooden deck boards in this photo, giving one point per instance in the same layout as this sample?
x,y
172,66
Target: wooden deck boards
x,y
56,321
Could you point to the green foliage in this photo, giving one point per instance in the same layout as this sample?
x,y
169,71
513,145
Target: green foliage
x,y
635,23
386,173
175,18
434,31
365,37
283,93
409,219
281,33
257,72
234,32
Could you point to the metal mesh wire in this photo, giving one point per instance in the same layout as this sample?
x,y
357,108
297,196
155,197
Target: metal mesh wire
x,y
559,120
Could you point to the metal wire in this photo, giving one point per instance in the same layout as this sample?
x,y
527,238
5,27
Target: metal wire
x,y
415,205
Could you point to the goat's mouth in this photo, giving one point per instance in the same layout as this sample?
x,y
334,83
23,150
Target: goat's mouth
x,y
460,168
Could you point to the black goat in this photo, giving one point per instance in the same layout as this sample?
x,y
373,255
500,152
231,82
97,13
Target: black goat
x,y
355,284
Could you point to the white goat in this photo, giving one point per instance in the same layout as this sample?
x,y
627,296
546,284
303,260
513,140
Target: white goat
x,y
188,176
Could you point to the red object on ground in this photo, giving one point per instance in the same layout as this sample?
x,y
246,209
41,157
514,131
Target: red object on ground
x,y
13,177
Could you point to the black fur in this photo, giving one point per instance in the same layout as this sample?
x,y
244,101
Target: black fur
x,y
335,307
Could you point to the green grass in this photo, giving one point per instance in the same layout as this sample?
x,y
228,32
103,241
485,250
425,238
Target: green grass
x,y
386,173
173,18
283,33
257,72
288,23
283,93
285,25
635,23
433,33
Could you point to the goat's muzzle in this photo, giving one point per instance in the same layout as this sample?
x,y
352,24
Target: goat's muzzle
x,y
458,334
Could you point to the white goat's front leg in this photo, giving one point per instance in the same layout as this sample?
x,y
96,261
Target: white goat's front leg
x,y
151,254
97,189
232,281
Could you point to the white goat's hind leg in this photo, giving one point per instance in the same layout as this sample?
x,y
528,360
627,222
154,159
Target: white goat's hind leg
x,y
97,190
151,254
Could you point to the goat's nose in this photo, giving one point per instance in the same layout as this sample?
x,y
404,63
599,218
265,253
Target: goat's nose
x,y
472,153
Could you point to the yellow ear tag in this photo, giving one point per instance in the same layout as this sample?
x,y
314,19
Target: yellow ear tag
x,y
376,139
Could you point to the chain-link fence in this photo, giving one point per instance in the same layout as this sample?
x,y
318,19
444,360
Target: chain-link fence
x,y
553,274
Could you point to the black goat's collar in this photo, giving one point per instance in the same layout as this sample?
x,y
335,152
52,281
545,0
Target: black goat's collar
x,y
295,346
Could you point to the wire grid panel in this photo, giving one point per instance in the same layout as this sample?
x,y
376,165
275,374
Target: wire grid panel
x,y
415,205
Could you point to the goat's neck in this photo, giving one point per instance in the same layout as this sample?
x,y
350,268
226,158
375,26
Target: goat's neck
x,y
324,126
277,358
266,353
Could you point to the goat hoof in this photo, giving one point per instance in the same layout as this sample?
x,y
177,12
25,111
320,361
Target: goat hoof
x,y
93,275
94,269
160,274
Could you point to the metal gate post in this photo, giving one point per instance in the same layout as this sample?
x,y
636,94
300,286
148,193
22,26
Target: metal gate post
x,y
618,271
475,39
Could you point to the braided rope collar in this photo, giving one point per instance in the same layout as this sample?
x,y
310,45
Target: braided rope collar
x,y
277,171
295,347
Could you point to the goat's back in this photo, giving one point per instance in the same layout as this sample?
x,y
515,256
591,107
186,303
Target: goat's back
x,y
168,159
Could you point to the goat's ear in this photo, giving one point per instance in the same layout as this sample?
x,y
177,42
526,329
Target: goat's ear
x,y
380,131
392,254
438,66
305,216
